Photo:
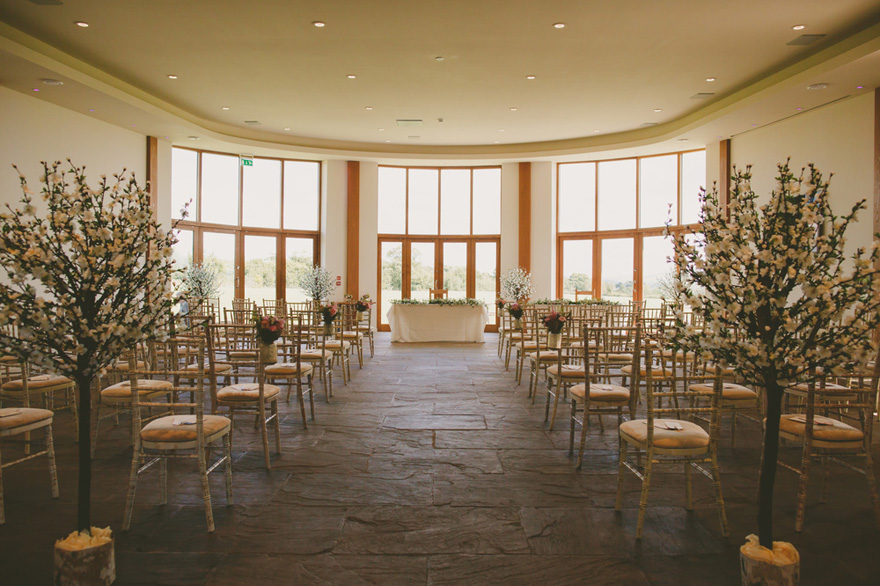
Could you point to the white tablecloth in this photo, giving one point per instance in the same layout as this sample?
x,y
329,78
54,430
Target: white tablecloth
x,y
437,323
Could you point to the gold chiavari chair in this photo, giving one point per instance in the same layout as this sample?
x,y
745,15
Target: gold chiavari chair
x,y
291,370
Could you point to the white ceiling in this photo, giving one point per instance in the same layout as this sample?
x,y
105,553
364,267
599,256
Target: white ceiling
x,y
597,81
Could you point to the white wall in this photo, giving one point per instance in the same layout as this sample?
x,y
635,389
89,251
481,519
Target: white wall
x,y
334,226
509,217
838,138
543,233
32,130
368,247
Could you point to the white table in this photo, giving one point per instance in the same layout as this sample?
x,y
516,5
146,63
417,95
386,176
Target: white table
x,y
437,323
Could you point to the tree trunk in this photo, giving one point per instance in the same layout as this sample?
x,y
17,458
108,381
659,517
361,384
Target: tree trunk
x,y
769,456
84,485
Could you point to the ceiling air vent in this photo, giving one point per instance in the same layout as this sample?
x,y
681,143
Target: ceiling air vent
x,y
47,2
252,122
405,122
647,125
805,40
702,96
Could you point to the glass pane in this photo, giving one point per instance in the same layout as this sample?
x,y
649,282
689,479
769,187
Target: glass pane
x,y
392,201
184,184
657,270
219,189
658,184
302,192
300,254
261,197
423,186
219,251
455,269
617,195
392,275
577,268
486,276
487,201
617,269
260,255
183,249
421,270
577,197
455,201
693,176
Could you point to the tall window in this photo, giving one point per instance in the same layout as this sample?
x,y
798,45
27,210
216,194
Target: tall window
x,y
439,228
256,223
611,218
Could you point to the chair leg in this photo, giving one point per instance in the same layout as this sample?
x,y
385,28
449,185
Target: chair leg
x,y
53,470
2,506
643,500
689,487
621,466
261,413
277,424
571,427
227,450
311,385
719,496
206,490
163,481
132,487
802,487
301,400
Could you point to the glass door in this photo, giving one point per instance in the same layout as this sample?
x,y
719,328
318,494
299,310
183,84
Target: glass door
x,y
486,284
421,263
391,279
260,267
218,251
455,271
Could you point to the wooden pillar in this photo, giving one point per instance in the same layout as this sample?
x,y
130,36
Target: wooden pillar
x,y
352,261
525,216
153,172
724,173
876,160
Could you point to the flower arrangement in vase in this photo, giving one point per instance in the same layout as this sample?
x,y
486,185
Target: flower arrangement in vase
x,y
267,329
329,312
555,323
363,304
516,312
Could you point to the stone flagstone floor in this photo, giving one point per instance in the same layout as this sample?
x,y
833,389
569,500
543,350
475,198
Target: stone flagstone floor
x,y
430,467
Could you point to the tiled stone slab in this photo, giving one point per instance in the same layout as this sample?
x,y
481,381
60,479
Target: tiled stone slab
x,y
249,570
430,460
430,421
509,489
494,439
423,530
515,570
429,396
164,568
346,489
538,461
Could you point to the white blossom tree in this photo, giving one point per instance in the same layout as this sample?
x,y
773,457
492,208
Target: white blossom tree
x,y
516,284
778,295
84,281
317,283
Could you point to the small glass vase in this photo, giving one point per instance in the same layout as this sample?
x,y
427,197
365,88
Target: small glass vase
x,y
328,328
268,353
554,341
517,323
360,316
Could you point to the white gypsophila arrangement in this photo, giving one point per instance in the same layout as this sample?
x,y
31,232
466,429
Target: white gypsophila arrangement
x,y
516,284
200,282
84,282
317,283
778,302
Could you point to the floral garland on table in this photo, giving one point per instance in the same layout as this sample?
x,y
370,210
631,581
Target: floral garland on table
x,y
267,328
547,301
468,301
517,284
555,321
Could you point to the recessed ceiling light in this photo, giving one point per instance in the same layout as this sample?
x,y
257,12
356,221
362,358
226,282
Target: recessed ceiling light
x,y
817,86
514,109
558,25
368,108
860,87
596,130
36,89
389,140
351,76
194,137
319,24
530,77
798,109
799,27
81,24
287,128
500,130
657,110
710,79
172,76
497,141
53,82
438,58
224,107
381,130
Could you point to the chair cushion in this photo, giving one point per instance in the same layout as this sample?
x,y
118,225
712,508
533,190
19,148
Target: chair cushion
x,y
218,368
247,392
12,417
171,429
656,372
615,357
544,356
350,335
242,355
145,387
824,428
568,370
287,369
315,354
337,345
729,391
690,436
829,388
42,383
122,365
602,393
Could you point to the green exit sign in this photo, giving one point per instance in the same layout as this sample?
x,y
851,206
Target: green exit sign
x,y
247,160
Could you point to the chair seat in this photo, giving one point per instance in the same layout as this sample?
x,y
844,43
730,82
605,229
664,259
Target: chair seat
x,y
45,383
824,428
242,354
544,356
726,372
248,392
182,428
656,372
12,419
729,391
568,370
337,345
689,356
602,393
619,357
145,387
352,335
287,369
218,368
315,354
691,435
122,365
